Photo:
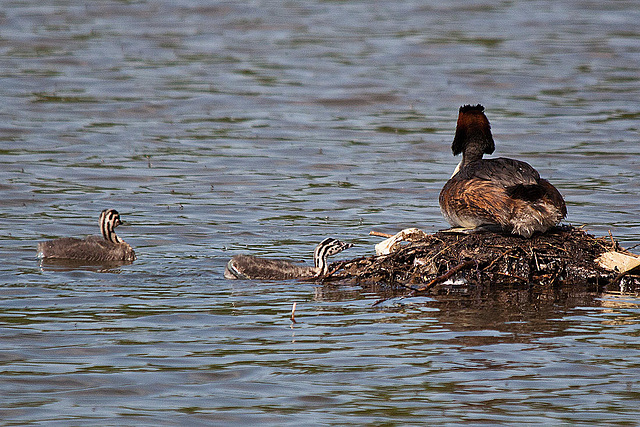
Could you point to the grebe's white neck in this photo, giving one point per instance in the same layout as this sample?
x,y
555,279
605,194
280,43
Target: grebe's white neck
x,y
457,169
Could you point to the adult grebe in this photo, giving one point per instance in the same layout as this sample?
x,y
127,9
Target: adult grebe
x,y
495,193
253,267
109,247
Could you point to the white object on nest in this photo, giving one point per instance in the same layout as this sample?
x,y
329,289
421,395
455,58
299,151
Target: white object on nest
x,y
392,244
617,261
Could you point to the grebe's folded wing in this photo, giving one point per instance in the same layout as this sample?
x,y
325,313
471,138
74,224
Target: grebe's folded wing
x,y
501,170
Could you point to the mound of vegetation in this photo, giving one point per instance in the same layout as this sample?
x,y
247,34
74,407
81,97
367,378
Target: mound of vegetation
x,y
440,262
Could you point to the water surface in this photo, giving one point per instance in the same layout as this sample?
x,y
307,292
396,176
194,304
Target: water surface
x,y
216,128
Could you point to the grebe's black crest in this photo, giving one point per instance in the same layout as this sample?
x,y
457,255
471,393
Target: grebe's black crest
x,y
473,129
253,267
109,247
504,193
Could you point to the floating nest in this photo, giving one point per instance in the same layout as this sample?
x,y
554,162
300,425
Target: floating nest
x,y
445,262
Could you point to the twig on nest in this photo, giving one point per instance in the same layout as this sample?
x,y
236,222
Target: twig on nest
x,y
445,276
496,259
446,248
614,244
339,266
380,234
556,247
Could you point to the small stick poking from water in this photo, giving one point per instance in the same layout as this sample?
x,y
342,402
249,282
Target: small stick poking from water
x,y
293,313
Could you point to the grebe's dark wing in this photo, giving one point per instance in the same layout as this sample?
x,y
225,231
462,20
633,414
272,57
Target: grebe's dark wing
x,y
518,179
503,171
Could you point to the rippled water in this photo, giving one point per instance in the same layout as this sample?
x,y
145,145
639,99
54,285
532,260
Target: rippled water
x,y
224,127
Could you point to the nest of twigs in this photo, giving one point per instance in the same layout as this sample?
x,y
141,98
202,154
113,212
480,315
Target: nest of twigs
x,y
563,256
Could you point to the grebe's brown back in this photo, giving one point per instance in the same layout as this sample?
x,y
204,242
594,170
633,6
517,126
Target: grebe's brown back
x,y
108,247
495,193
253,267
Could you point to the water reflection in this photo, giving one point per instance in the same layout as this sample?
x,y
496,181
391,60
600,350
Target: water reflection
x,y
471,309
61,265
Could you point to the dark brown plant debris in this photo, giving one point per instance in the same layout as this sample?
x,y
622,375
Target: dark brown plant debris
x,y
443,262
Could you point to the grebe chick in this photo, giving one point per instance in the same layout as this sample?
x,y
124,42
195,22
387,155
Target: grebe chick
x,y
499,193
253,267
109,247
